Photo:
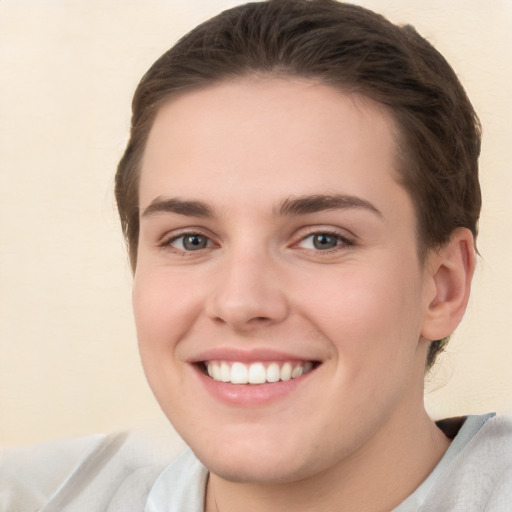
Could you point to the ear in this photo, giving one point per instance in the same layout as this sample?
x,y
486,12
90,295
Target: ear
x,y
450,271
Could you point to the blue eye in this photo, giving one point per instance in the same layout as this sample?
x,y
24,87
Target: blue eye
x,y
190,242
323,241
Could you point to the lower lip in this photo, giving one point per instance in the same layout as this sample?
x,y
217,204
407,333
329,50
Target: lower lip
x,y
250,395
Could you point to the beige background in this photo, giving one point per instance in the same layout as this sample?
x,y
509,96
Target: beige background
x,y
68,357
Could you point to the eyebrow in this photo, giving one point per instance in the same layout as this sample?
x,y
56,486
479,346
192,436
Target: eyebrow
x,y
316,203
180,206
291,206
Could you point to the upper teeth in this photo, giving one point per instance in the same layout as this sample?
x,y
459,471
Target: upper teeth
x,y
256,373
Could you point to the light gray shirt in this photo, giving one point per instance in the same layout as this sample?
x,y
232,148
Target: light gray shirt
x,y
118,473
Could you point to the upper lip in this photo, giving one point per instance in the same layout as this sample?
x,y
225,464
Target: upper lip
x,y
248,355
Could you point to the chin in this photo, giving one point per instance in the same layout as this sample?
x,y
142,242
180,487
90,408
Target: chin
x,y
264,456
266,469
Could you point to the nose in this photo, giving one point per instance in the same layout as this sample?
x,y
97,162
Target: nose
x,y
248,293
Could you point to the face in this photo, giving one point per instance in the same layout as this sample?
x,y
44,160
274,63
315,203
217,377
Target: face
x,y
277,253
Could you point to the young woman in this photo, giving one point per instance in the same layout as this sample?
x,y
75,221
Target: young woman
x,y
300,199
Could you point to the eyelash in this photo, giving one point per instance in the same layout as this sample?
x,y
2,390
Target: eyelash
x,y
343,242
166,243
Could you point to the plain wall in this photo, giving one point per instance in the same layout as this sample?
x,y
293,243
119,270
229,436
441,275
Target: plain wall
x,y
68,354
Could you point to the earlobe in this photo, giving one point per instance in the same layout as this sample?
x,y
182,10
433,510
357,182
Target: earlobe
x,y
451,270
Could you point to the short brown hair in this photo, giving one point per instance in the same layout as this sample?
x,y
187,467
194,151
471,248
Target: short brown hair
x,y
348,47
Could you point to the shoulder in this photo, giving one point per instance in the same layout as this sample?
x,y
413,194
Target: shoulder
x,y
30,474
477,470
79,474
489,443
498,428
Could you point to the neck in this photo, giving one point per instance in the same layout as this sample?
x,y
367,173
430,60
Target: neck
x,y
375,479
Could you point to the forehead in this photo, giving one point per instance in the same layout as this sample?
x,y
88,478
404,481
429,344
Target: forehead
x,y
265,137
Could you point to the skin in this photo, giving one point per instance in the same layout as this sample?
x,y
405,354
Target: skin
x,y
364,309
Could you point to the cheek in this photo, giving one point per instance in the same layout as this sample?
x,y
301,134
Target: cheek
x,y
369,316
164,308
163,315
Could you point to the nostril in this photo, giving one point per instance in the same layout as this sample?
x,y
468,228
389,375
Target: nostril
x,y
259,319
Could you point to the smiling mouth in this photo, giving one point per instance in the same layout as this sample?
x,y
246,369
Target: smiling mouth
x,y
235,372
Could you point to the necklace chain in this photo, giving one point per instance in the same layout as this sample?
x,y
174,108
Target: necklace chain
x,y
213,494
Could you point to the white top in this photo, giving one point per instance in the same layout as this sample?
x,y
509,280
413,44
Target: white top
x,y
118,473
